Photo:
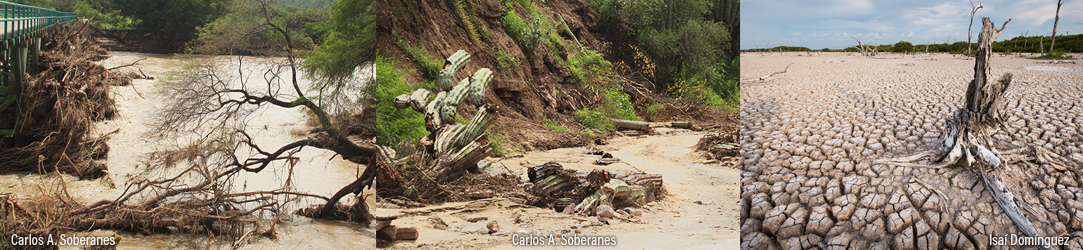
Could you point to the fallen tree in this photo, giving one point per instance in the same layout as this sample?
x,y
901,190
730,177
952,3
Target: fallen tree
x,y
967,141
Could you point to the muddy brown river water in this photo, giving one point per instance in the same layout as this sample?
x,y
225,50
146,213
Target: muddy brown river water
x,y
318,172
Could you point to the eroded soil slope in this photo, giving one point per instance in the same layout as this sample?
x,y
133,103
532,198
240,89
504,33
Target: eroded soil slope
x,y
809,138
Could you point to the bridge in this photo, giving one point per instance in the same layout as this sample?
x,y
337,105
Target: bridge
x,y
23,28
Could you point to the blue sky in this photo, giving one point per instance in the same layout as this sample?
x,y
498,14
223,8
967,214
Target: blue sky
x,y
830,23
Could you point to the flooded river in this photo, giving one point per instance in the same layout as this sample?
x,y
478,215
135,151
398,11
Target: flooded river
x,y
318,171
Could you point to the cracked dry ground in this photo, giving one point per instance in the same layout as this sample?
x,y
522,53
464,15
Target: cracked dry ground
x,y
809,137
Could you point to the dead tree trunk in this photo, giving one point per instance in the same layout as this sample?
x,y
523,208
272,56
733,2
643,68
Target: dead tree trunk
x,y
967,133
1055,21
968,29
637,125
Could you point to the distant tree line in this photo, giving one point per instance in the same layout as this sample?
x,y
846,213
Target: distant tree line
x,y
1019,44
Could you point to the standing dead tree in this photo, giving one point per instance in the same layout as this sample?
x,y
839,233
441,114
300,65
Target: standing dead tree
x,y
1055,21
967,135
969,32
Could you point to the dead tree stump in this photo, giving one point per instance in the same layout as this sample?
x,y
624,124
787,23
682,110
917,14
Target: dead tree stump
x,y
967,133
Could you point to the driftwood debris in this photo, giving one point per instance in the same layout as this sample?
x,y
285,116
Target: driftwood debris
x,y
967,134
865,49
682,124
637,125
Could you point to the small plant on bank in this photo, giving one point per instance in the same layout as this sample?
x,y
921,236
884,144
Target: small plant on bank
x,y
618,105
496,139
430,66
506,60
556,126
593,119
652,111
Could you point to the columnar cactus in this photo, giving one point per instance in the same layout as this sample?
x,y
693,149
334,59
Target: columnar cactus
x,y
459,145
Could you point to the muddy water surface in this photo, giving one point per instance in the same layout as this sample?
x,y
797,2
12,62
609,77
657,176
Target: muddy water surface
x,y
318,172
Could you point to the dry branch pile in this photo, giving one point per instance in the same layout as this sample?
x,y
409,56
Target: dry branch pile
x,y
59,105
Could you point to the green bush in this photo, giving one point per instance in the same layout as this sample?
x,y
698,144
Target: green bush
x,y
693,48
556,126
619,105
903,46
586,61
393,125
593,119
518,30
528,33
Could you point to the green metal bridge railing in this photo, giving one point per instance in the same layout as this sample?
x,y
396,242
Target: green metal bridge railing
x,y
23,26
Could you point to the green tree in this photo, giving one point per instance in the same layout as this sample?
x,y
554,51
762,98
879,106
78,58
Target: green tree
x,y
903,46
688,51
246,30
172,23
351,42
349,45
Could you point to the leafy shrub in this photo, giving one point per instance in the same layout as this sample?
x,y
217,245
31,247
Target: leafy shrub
x,y
619,105
593,119
586,61
528,33
698,91
393,125
518,30
693,48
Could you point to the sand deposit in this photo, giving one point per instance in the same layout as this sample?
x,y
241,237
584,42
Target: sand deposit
x,y
698,211
809,137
